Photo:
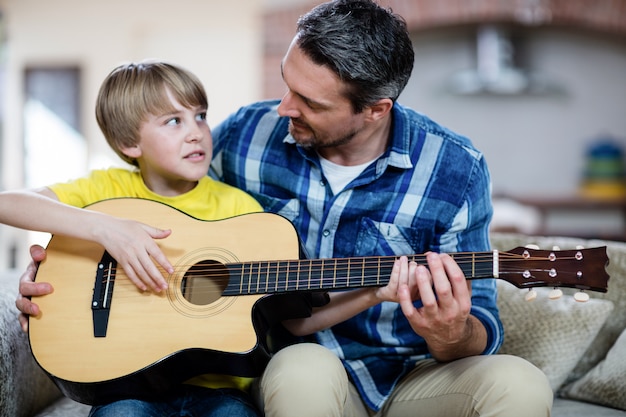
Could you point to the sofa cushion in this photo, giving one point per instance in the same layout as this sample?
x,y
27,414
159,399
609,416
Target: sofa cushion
x,y
605,384
616,323
25,388
551,334
572,408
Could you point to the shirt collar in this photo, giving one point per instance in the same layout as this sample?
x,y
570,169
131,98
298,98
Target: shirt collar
x,y
398,154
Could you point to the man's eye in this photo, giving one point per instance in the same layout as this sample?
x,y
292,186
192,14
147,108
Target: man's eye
x,y
312,105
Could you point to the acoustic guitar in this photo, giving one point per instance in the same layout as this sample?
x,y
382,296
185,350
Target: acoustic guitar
x,y
101,339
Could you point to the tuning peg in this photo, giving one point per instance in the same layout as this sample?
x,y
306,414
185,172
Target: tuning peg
x,y
579,247
555,294
532,246
556,248
530,295
581,297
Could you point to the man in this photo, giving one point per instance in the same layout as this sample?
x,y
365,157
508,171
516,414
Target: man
x,y
360,175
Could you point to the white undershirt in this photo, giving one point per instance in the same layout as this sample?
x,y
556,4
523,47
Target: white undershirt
x,y
338,176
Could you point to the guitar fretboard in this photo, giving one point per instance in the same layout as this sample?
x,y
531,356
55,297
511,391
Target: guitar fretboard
x,y
268,277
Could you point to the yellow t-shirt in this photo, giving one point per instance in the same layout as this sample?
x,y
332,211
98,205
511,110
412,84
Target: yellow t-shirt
x,y
209,200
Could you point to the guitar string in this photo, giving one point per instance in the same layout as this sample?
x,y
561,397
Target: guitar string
x,y
270,271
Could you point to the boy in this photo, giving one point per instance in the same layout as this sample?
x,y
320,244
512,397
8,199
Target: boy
x,y
153,115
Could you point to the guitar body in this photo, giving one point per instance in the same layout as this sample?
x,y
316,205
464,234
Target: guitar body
x,y
154,341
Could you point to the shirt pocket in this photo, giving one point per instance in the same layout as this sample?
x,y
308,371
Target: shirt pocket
x,y
376,238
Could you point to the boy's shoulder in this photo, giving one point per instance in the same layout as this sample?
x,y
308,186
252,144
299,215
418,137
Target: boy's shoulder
x,y
216,187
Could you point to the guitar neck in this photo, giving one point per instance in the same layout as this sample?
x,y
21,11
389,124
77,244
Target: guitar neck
x,y
270,277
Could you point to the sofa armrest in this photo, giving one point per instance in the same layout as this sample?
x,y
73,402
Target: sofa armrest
x,y
24,387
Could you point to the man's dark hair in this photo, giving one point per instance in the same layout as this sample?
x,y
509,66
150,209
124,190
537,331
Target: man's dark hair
x,y
366,45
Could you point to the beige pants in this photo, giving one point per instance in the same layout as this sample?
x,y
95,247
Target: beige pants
x,y
307,380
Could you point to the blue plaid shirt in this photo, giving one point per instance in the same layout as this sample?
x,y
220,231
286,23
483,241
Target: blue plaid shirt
x,y
429,191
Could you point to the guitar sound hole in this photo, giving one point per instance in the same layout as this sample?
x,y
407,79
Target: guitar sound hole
x,y
204,282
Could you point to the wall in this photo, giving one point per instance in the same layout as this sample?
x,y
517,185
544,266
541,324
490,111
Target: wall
x,y
534,144
215,40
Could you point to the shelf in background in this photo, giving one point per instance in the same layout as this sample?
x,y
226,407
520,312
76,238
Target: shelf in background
x,y
577,216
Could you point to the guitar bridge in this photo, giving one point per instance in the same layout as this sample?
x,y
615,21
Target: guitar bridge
x,y
103,294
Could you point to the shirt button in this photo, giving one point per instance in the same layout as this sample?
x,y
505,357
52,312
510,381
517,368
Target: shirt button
x,y
323,183
326,233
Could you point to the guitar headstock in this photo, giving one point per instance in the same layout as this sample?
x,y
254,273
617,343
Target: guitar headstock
x,y
584,269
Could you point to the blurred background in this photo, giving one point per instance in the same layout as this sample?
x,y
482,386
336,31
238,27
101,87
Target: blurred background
x,y
538,85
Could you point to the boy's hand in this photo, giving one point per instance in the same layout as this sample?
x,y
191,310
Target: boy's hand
x,y
132,244
129,242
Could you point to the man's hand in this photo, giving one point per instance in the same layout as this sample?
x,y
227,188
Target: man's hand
x,y
444,320
30,288
403,274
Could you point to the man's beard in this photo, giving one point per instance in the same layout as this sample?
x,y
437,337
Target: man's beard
x,y
314,141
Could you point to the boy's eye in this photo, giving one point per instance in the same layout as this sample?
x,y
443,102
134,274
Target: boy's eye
x,y
201,116
173,121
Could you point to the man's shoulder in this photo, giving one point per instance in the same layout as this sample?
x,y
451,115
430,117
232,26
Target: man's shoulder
x,y
263,106
415,122
248,117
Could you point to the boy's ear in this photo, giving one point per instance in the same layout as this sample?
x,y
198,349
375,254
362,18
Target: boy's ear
x,y
131,151
380,109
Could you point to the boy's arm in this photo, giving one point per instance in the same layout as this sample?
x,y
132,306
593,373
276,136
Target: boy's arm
x,y
444,320
129,242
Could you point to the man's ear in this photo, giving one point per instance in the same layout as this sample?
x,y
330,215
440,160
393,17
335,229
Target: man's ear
x,y
380,109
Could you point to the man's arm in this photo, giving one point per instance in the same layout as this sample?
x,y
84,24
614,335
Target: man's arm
x,y
29,288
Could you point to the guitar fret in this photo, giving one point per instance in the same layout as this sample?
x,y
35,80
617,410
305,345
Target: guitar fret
x,y
278,279
309,279
362,271
371,268
496,264
473,264
243,277
255,277
282,275
267,275
286,271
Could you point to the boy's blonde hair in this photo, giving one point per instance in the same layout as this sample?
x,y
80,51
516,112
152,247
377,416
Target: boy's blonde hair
x,y
133,91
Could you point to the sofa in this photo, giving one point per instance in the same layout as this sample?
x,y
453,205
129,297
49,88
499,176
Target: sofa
x,y
581,347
